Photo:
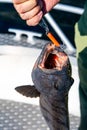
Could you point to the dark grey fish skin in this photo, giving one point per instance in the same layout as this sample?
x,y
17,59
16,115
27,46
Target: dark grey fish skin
x,y
52,80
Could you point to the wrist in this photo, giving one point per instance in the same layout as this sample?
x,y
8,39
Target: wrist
x,y
48,5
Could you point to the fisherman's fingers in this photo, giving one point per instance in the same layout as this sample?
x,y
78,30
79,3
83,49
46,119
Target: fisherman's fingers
x,y
29,10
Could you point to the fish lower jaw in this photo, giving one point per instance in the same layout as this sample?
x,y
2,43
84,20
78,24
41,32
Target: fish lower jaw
x,y
57,68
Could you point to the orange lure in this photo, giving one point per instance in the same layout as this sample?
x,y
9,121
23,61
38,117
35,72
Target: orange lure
x,y
52,38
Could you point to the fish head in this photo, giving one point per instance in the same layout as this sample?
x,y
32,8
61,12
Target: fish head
x,y
51,73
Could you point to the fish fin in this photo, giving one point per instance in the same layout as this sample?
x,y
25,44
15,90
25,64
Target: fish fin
x,y
28,91
69,83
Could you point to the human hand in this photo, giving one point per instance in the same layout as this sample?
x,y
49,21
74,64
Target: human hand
x,y
29,10
32,11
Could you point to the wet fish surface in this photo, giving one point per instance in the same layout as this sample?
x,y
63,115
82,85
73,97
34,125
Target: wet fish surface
x,y
52,80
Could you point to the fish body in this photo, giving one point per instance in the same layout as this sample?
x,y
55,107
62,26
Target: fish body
x,y
52,80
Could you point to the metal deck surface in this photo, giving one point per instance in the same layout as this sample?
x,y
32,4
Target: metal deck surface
x,y
22,116
11,40
19,115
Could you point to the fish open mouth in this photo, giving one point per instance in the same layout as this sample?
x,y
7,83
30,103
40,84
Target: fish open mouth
x,y
53,58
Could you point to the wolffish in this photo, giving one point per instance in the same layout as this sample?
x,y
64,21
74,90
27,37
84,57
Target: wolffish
x,y
52,80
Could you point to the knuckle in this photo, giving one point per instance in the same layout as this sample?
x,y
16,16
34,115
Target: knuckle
x,y
28,22
32,22
23,16
20,8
